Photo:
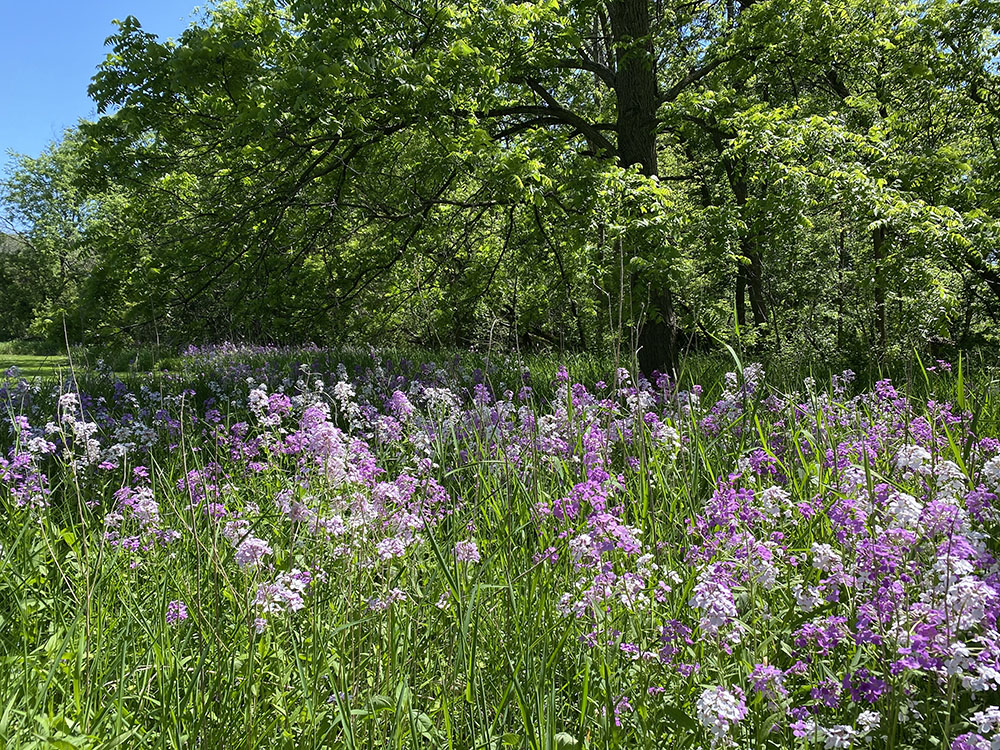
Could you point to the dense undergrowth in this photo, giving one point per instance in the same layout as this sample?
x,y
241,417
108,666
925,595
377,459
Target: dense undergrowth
x,y
257,548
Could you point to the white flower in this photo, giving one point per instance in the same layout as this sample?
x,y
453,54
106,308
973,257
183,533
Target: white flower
x,y
257,400
719,710
904,509
580,547
868,721
825,558
765,571
343,392
991,471
667,437
645,565
39,446
968,601
951,480
774,501
838,736
284,594
987,720
69,401
913,458
807,598
716,602
145,507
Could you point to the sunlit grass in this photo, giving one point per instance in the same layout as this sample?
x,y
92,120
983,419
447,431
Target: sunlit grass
x,y
35,365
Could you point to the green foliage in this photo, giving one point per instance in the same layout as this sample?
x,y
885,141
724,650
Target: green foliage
x,y
556,174
44,258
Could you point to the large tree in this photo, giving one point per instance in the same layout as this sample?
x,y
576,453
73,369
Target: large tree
x,y
567,172
305,119
45,260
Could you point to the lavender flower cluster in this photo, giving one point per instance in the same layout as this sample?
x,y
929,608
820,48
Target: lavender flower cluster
x,y
793,569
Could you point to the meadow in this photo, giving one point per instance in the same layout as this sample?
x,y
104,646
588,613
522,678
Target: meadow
x,y
256,547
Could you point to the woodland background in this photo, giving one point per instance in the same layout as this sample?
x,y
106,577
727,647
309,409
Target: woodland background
x,y
815,181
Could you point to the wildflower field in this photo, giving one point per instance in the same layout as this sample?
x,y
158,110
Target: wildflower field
x,y
266,548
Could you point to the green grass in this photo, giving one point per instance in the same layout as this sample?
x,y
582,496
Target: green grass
x,y
44,360
476,655
35,365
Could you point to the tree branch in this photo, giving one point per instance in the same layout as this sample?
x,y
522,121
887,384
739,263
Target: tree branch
x,y
598,141
585,63
691,78
838,86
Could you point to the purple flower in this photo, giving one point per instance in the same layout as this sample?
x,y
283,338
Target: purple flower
x,y
970,741
826,692
768,680
176,612
251,551
390,548
467,551
623,706
865,686
284,594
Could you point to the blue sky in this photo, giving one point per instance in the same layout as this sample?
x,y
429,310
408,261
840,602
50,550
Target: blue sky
x,y
49,49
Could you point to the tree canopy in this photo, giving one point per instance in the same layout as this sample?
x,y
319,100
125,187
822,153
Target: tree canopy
x,y
812,177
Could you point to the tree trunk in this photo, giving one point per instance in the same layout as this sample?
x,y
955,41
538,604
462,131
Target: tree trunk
x,y
841,290
658,339
878,256
635,84
750,274
637,98
740,295
755,282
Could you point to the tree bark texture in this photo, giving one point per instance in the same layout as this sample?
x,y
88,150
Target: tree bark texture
x,y
637,97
